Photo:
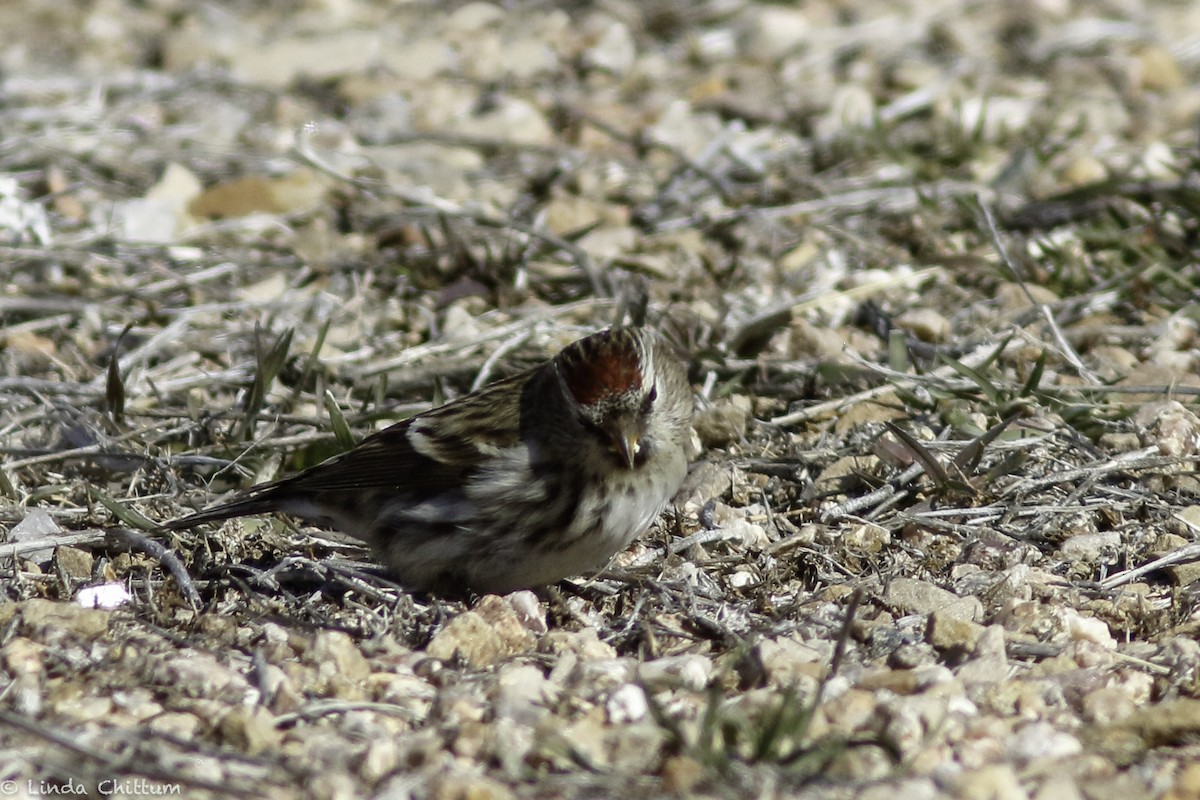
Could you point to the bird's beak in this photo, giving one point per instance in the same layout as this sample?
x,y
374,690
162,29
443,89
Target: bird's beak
x,y
625,436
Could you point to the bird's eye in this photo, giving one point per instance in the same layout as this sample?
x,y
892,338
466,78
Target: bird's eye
x,y
587,422
650,398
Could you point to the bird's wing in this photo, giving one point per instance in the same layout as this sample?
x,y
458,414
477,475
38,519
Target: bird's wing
x,y
426,451
422,456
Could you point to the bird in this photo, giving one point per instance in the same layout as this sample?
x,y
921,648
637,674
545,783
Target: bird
x,y
527,481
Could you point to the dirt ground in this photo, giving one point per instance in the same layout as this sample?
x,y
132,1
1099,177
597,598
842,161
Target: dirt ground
x,y
933,267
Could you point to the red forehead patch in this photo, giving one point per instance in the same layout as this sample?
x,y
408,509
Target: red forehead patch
x,y
601,366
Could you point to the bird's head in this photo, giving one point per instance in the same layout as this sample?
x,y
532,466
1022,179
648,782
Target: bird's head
x,y
626,389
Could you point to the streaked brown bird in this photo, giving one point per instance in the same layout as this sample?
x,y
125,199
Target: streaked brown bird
x,y
531,479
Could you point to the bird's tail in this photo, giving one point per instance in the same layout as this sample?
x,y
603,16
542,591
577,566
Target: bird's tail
x,y
257,503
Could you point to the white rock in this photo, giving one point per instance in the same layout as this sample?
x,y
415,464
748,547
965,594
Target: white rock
x,y
518,739
926,324
474,17
750,534
1040,740
19,219
37,524
1101,546
321,56
458,325
201,676
994,781
615,50
107,596
140,220
162,214
1171,426
1088,629
604,673
626,704
529,610
851,107
915,596
687,671
334,652
512,120
274,634
1059,787
715,44
907,788
418,60
742,578
1160,162
990,664
775,31
992,116
381,757
680,126
521,689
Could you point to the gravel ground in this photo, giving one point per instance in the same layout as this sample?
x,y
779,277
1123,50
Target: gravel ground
x,y
934,266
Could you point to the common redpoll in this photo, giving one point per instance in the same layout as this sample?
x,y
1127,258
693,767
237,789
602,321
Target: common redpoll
x,y
529,480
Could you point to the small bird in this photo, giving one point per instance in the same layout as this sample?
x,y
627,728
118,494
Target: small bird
x,y
529,480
